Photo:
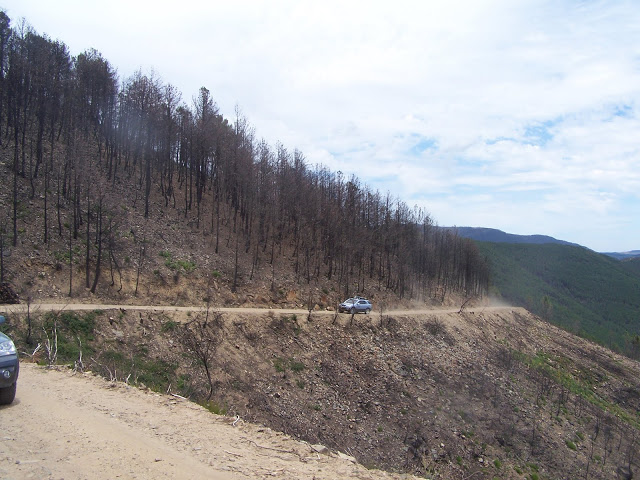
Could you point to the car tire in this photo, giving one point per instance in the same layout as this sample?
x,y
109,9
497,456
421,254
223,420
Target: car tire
x,y
367,311
7,394
353,311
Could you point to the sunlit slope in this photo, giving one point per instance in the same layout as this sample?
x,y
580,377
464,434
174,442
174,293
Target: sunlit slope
x,y
573,287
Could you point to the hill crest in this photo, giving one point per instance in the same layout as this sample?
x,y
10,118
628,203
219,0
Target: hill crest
x,y
484,234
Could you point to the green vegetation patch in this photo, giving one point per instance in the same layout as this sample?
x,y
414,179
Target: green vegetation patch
x,y
215,407
139,369
173,264
63,256
156,374
282,365
70,333
169,326
577,380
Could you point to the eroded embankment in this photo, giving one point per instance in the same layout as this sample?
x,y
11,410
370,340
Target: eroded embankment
x,y
497,392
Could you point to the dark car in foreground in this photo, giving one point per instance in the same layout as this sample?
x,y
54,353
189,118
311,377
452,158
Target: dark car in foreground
x,y
355,305
9,368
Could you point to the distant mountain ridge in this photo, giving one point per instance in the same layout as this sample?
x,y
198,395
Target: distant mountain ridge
x,y
483,234
623,255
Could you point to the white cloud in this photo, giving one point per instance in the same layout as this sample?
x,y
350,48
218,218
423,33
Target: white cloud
x,y
529,109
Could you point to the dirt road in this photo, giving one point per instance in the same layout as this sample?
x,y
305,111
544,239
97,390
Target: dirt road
x,y
79,426
22,308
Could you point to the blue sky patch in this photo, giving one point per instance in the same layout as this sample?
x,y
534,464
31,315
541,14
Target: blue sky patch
x,y
423,144
624,111
539,133
493,141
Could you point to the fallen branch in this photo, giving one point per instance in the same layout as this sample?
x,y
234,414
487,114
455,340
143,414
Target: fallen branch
x,y
464,304
231,453
78,365
36,350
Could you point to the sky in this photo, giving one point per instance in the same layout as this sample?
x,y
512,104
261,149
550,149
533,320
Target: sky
x,y
518,115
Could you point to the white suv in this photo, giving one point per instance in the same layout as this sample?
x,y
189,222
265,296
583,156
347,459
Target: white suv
x,y
355,305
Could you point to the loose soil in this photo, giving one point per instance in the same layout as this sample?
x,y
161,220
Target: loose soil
x,y
80,426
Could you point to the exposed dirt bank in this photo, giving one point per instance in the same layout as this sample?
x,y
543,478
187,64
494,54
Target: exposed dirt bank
x,y
35,307
79,426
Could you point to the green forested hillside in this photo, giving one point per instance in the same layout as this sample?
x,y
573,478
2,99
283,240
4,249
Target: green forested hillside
x,y
586,292
632,265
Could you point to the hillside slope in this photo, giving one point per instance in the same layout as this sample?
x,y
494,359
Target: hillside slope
x,y
73,425
583,291
445,395
632,264
115,187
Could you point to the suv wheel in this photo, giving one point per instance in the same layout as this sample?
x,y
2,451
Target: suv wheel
x,y
7,394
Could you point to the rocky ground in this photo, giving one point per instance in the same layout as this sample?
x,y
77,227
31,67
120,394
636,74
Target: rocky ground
x,y
488,393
